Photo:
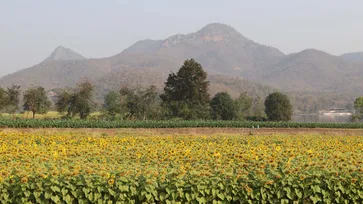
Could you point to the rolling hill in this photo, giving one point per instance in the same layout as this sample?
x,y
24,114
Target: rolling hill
x,y
314,70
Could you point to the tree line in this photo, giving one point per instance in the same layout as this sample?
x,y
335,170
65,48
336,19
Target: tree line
x,y
185,96
35,100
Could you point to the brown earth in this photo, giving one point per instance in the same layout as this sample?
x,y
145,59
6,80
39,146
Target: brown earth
x,y
199,131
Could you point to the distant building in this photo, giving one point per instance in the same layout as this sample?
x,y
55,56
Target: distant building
x,y
336,112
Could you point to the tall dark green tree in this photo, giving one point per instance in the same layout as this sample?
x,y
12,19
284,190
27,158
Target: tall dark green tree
x,y
243,106
223,107
13,93
278,107
186,92
36,100
83,99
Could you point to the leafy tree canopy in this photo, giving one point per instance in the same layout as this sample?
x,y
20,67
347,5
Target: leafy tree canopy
x,y
13,93
223,107
36,100
278,107
112,104
76,102
243,106
141,104
186,92
358,106
3,99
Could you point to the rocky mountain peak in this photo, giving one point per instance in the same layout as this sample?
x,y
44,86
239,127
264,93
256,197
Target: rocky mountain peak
x,y
217,28
63,54
216,32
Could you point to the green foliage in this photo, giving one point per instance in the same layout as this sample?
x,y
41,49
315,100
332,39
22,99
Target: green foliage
x,y
13,93
358,106
36,100
243,106
78,102
278,107
186,92
63,101
313,188
112,104
140,104
223,107
3,99
258,108
83,99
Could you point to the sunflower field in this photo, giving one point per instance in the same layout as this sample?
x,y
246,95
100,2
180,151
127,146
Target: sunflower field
x,y
89,167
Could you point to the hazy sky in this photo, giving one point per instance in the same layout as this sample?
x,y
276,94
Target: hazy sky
x,y
31,30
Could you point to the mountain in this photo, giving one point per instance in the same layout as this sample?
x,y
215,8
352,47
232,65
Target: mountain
x,y
315,70
64,54
234,63
56,74
355,57
63,67
218,47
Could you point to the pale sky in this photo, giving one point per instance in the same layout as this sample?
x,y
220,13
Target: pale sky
x,y
31,29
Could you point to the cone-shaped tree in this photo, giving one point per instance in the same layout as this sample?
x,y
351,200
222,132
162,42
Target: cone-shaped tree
x,y
186,92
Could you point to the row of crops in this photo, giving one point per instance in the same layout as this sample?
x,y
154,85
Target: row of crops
x,y
64,167
317,189
29,123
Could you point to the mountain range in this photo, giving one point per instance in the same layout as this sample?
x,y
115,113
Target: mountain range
x,y
234,63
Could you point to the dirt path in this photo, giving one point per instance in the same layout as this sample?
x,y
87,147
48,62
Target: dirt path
x,y
206,131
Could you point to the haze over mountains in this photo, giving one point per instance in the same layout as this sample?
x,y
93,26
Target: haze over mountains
x,y
234,63
356,57
315,70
